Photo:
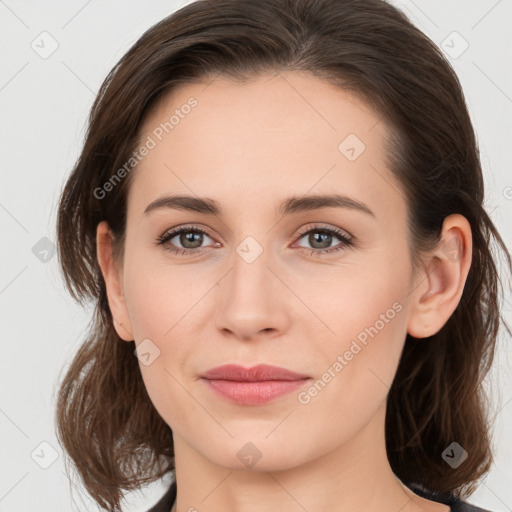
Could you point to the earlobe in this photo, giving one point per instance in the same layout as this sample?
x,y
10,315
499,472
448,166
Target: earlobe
x,y
122,331
438,289
112,276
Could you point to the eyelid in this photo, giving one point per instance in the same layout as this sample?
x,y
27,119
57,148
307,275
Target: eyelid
x,y
186,227
319,227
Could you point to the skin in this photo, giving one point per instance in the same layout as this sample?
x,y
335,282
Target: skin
x,y
250,146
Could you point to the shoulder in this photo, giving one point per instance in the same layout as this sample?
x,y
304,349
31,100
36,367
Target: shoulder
x,y
166,501
455,503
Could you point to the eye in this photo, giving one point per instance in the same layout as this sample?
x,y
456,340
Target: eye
x,y
321,238
190,238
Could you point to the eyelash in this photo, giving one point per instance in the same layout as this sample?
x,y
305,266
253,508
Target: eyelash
x,y
166,237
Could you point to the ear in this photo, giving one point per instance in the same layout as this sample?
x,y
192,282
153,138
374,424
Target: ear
x,y
440,283
113,277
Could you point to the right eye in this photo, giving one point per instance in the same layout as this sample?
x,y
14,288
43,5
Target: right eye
x,y
190,238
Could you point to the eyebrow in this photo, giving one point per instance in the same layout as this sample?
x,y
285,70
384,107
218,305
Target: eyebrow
x,y
289,206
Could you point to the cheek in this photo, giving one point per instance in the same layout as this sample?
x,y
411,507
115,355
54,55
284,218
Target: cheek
x,y
161,315
165,309
361,365
366,351
365,308
363,302
158,296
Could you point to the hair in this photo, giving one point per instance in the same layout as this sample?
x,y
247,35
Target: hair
x,y
105,418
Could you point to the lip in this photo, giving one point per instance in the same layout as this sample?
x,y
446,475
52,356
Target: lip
x,y
252,386
258,373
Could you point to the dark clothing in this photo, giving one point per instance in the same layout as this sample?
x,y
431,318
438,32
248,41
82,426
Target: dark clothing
x,y
456,505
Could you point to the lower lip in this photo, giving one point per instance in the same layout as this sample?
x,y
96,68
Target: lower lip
x,y
253,393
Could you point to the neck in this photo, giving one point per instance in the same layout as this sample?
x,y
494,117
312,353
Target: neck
x,y
356,475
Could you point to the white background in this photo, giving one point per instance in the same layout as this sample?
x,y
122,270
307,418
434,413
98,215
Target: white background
x,y
44,105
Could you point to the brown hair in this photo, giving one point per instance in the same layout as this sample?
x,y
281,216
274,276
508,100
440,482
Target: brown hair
x,y
106,421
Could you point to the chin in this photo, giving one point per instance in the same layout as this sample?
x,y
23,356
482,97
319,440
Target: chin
x,y
258,454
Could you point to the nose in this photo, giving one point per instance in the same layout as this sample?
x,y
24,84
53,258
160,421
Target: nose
x,y
251,300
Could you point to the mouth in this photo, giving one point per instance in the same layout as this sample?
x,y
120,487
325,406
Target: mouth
x,y
252,386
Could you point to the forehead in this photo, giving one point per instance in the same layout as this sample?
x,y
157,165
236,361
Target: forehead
x,y
260,141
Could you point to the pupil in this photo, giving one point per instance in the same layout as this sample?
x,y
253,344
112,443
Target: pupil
x,y
189,237
326,239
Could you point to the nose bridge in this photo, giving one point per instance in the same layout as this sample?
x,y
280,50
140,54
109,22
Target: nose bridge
x,y
249,296
250,275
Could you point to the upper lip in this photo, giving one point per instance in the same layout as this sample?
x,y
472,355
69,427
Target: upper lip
x,y
258,373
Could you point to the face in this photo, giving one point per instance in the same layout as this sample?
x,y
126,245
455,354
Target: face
x,y
319,288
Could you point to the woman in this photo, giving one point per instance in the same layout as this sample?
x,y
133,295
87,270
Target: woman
x,y
278,213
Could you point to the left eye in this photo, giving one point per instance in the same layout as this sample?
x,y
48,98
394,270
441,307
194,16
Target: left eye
x,y
321,239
